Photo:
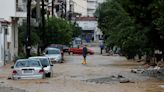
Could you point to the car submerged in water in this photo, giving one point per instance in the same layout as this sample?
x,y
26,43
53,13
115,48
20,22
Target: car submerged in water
x,y
28,69
54,54
46,63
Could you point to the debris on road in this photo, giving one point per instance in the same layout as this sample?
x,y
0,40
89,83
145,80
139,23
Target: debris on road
x,y
112,79
151,71
11,89
161,86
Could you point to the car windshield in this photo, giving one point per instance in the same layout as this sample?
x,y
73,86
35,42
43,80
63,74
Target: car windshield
x,y
28,63
52,52
44,61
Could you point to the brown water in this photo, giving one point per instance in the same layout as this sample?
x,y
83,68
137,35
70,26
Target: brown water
x,y
70,76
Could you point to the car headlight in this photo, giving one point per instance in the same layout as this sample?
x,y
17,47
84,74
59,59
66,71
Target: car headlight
x,y
58,58
52,59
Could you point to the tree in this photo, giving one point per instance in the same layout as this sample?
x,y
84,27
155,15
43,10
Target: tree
x,y
119,28
58,31
35,39
134,25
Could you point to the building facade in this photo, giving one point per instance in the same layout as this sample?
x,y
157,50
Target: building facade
x,y
90,32
11,11
92,6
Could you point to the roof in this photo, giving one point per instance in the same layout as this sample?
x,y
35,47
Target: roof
x,y
37,57
86,18
51,48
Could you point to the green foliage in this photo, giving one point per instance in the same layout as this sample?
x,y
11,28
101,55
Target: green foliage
x,y
35,39
128,24
77,31
58,31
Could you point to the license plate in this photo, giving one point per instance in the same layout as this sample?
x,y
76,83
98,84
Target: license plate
x,y
27,71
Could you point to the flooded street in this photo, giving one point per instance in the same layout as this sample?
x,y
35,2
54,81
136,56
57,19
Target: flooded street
x,y
99,75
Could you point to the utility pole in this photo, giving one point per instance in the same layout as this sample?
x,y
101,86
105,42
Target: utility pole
x,y
62,7
38,11
43,25
70,10
38,18
28,33
65,5
52,7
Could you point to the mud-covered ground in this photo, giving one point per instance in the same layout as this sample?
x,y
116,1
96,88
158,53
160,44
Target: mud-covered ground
x,y
101,74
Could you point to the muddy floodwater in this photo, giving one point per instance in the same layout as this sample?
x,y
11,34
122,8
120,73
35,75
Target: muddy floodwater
x,y
101,74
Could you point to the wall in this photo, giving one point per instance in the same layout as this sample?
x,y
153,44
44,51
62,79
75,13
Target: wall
x,y
87,25
8,12
80,6
7,9
3,44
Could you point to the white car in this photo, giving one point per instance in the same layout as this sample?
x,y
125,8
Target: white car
x,y
28,69
46,63
53,54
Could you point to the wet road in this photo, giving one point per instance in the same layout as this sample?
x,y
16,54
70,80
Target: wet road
x,y
72,76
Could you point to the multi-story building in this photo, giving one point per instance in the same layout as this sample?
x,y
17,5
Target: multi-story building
x,y
11,11
80,6
92,5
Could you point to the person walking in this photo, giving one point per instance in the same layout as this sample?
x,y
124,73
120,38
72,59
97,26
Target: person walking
x,y
101,47
84,55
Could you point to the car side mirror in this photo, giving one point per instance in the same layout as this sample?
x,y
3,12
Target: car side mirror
x,y
12,67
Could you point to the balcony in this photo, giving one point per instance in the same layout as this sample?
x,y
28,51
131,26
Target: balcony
x,y
21,10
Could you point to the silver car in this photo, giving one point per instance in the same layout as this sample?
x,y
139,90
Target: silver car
x,y
53,54
46,63
28,69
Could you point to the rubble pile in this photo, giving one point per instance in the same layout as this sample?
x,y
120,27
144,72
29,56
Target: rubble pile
x,y
152,71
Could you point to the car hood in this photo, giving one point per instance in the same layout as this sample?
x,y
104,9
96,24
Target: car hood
x,y
53,56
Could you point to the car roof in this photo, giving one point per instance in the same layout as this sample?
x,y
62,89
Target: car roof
x,y
51,48
21,60
38,57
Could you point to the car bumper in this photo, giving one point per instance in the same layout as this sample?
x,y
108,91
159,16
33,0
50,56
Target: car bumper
x,y
28,77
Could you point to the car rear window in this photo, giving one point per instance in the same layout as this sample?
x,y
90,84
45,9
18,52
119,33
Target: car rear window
x,y
28,63
44,61
52,52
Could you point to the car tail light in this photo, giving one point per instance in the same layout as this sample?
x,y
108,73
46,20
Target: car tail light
x,y
41,71
14,72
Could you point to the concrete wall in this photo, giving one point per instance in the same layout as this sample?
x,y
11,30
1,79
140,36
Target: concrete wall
x,y
8,12
3,44
80,6
87,25
7,9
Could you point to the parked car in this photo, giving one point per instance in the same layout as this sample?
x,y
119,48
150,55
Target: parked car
x,y
79,51
63,48
46,63
53,54
28,69
76,42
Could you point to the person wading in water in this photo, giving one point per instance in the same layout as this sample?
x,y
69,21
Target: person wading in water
x,y
84,55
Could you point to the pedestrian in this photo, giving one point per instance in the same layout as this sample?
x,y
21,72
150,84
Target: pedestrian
x,y
84,54
101,47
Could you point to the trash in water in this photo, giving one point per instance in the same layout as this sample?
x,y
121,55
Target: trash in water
x,y
162,86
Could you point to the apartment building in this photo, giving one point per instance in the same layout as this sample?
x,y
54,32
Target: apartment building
x,y
92,5
11,12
